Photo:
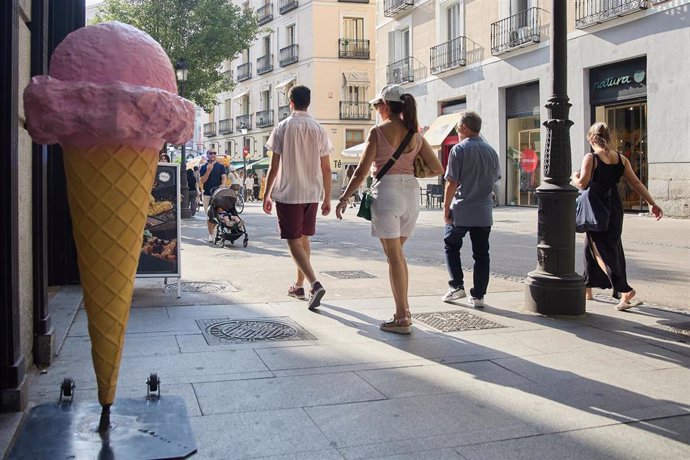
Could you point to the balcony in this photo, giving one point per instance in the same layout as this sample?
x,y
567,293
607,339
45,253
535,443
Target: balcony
x,y
448,55
287,5
392,8
400,71
283,112
225,126
210,129
244,71
265,14
592,12
355,110
264,118
264,64
515,31
289,55
243,122
351,48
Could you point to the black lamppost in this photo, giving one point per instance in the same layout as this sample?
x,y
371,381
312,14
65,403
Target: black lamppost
x,y
554,288
181,74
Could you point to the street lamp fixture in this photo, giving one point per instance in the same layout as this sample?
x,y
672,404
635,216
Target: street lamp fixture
x,y
181,75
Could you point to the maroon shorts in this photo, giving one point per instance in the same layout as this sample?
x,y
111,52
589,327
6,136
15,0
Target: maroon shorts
x,y
296,220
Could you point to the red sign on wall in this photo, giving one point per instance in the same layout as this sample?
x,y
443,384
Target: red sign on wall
x,y
245,152
528,160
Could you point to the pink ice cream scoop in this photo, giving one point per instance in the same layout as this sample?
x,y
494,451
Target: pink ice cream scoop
x,y
108,82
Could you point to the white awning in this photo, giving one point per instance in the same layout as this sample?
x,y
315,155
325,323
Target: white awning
x,y
240,94
281,86
354,151
440,129
356,79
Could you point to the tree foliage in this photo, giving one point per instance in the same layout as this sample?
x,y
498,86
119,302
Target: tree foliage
x,y
204,32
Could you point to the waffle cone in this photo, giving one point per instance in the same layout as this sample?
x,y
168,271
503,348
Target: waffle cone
x,y
108,189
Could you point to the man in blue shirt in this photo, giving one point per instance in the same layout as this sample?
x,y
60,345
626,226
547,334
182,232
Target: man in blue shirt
x,y
212,176
472,171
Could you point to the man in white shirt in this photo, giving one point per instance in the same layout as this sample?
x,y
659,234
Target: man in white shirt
x,y
299,175
249,187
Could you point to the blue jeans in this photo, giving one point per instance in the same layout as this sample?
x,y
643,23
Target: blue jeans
x,y
480,253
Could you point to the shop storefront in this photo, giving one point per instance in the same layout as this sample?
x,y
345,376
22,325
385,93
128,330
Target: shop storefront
x,y
523,155
618,97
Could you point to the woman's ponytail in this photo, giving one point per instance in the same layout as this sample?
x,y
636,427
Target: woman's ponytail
x,y
409,112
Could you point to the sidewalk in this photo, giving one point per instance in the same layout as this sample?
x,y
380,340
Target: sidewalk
x,y
512,385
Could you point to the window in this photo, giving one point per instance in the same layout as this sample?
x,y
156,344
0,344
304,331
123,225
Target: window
x,y
290,35
265,99
266,45
244,104
399,44
353,28
212,116
353,137
455,20
228,108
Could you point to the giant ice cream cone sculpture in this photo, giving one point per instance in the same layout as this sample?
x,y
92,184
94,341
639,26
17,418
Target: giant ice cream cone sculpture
x,y
111,101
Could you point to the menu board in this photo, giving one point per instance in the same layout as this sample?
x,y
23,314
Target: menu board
x,y
160,251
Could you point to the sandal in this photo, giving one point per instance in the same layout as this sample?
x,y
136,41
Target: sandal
x,y
623,305
399,326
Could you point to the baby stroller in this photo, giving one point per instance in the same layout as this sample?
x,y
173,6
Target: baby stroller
x,y
223,212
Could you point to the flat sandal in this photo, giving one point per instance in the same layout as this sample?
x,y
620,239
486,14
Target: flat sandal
x,y
397,325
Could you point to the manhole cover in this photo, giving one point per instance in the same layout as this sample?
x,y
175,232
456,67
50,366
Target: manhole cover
x,y
201,286
680,332
220,331
349,274
451,321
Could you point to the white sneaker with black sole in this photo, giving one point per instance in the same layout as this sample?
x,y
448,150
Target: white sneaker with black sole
x,y
453,294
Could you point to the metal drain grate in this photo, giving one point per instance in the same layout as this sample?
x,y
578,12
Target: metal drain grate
x,y
349,274
220,331
451,321
202,286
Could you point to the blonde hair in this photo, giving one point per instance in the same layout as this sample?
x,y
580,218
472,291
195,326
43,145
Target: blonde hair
x,y
599,135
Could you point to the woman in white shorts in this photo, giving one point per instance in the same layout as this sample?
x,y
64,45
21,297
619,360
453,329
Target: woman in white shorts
x,y
394,207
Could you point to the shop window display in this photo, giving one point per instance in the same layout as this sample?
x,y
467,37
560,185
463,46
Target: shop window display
x,y
523,161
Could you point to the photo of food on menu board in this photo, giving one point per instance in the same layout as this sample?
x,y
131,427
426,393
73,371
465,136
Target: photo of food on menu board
x,y
159,249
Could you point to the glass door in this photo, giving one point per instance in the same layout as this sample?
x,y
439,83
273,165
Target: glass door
x,y
628,126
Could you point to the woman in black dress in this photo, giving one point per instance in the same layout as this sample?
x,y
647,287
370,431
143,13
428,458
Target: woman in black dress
x,y
604,257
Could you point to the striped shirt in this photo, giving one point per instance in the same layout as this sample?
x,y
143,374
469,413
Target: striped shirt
x,y
301,142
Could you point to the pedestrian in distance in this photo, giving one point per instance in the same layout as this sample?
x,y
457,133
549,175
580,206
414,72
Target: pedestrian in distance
x,y
471,173
604,265
212,176
164,158
395,198
298,177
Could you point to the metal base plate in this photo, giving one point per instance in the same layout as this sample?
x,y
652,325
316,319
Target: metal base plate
x,y
153,429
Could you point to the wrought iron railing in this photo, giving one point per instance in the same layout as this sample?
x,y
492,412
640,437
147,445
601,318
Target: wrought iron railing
x,y
392,8
591,12
244,71
400,71
243,121
448,55
264,118
225,126
283,112
265,14
287,5
515,31
289,55
355,110
353,48
210,129
264,64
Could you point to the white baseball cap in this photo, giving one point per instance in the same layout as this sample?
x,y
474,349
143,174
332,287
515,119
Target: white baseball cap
x,y
392,93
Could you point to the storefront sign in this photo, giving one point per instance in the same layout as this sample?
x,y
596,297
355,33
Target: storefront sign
x,y
618,82
160,252
528,160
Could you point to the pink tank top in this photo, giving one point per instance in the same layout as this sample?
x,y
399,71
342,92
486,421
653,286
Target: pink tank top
x,y
405,163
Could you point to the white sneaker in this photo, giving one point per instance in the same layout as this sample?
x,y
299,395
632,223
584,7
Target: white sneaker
x,y
477,303
211,238
453,294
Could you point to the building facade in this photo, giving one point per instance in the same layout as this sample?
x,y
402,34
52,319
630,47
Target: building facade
x,y
625,68
328,46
